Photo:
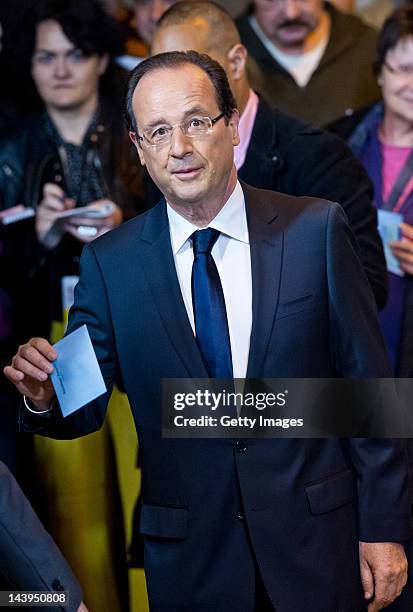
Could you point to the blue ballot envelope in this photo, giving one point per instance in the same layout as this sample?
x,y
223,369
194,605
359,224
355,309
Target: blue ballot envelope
x,y
76,378
389,229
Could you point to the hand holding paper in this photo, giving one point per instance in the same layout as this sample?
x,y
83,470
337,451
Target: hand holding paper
x,y
57,214
68,370
402,250
90,222
30,370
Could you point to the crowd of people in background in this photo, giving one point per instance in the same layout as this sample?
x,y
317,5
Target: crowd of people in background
x,y
326,109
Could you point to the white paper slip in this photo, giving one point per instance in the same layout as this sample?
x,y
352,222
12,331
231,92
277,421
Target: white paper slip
x,y
15,214
389,229
77,378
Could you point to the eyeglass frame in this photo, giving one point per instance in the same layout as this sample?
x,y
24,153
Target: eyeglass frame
x,y
180,125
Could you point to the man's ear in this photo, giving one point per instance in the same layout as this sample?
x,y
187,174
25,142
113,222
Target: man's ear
x,y
380,79
233,124
136,142
237,60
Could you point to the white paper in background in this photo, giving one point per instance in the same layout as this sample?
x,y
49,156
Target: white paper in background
x,y
389,229
68,290
15,214
77,378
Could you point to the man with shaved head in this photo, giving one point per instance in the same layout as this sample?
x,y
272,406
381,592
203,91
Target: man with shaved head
x,y
278,151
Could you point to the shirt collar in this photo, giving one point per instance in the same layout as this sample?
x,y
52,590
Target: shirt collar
x,y
249,112
231,221
245,127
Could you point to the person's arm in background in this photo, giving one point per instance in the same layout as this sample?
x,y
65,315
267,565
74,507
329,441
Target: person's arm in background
x,y
320,164
29,558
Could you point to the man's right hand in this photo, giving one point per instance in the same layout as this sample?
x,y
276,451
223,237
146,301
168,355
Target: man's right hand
x,y
30,369
53,203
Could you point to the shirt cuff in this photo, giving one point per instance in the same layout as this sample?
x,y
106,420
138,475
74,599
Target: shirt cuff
x,y
26,403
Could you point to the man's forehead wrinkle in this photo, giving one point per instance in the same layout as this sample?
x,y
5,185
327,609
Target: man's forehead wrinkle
x,y
166,101
189,105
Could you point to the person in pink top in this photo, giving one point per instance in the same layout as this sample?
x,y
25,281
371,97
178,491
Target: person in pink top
x,y
383,141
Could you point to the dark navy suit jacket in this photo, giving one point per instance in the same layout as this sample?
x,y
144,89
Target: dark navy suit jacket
x,y
306,502
29,558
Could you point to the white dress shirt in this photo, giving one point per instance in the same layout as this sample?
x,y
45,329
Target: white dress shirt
x,y
231,253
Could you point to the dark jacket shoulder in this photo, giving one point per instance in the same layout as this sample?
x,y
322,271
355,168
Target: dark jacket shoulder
x,y
267,204
15,146
29,558
345,126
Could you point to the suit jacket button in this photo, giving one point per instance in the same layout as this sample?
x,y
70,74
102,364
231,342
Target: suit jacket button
x,y
57,585
241,446
240,516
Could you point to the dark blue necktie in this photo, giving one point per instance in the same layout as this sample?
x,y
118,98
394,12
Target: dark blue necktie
x,y
210,314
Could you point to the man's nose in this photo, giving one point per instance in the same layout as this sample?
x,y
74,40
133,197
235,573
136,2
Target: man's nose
x,y
61,68
181,144
291,9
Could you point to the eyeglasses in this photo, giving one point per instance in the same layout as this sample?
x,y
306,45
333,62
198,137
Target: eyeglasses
x,y
405,70
192,127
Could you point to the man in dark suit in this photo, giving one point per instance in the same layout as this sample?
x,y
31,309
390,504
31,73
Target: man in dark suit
x,y
277,290
278,151
29,559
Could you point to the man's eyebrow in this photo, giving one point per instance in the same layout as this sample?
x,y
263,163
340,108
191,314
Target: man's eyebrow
x,y
194,110
155,123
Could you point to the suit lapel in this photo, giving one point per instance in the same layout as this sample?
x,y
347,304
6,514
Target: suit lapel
x,y
266,243
159,268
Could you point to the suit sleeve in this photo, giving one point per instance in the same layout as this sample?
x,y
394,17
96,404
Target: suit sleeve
x,y
29,558
91,308
381,465
321,165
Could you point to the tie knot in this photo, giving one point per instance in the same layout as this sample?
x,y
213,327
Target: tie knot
x,y
204,240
